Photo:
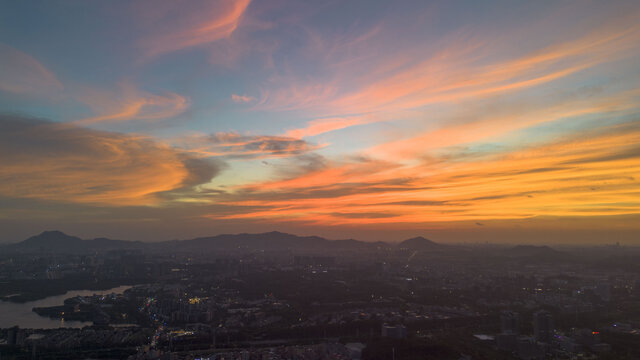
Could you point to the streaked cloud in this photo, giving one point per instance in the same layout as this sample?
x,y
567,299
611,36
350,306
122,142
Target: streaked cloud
x,y
495,123
175,26
130,103
234,145
66,163
461,69
22,74
321,126
597,175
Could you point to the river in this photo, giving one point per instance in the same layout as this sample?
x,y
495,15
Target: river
x,y
20,314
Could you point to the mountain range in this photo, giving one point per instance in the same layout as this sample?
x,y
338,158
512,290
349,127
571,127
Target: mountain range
x,y
59,242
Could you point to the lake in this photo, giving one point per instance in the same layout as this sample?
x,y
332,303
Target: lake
x,y
20,314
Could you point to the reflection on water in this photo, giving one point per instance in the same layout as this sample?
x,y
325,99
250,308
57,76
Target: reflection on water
x,y
12,314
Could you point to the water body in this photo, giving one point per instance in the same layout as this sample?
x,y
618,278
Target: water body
x,y
12,314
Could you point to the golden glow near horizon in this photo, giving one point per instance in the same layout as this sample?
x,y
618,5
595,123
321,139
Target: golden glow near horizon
x,y
242,115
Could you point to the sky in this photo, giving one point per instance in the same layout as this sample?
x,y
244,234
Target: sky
x,y
461,121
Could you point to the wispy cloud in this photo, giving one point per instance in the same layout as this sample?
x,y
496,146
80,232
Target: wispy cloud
x,y
321,126
241,99
176,26
23,74
130,103
491,124
464,68
234,145
66,163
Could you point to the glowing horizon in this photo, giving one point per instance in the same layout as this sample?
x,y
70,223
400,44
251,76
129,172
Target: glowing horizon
x,y
456,121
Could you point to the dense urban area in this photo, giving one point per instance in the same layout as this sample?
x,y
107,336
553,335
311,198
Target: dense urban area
x,y
280,296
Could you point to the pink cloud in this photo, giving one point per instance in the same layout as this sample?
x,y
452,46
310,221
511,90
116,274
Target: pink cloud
x,y
23,74
321,126
242,99
176,26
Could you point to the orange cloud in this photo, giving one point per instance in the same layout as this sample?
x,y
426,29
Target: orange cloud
x,y
597,175
493,124
453,76
66,163
321,126
130,103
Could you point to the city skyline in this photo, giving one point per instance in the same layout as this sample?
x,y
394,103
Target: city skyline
x,y
461,122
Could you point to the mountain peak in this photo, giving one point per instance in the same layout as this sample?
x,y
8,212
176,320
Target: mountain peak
x,y
418,243
51,238
51,232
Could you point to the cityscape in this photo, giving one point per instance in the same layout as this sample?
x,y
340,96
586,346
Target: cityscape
x,y
279,296
319,180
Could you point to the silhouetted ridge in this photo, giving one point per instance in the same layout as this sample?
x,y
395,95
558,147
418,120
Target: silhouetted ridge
x,y
51,238
418,243
57,241
274,240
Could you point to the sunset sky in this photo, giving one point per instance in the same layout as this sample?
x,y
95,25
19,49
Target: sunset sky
x,y
498,121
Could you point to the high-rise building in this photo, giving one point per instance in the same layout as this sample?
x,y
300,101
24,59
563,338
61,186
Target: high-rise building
x,y
509,331
543,326
509,323
12,334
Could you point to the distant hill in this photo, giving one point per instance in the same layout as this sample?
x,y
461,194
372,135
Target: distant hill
x,y
271,241
275,241
51,238
59,242
419,243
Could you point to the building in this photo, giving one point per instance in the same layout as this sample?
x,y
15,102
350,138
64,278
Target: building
x,y
12,335
507,340
543,326
509,323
